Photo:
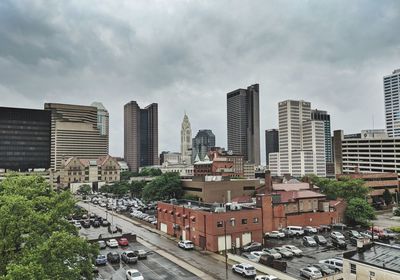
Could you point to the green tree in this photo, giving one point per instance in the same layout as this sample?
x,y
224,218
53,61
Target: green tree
x,y
85,189
190,197
152,172
166,186
126,175
387,197
359,211
31,212
136,188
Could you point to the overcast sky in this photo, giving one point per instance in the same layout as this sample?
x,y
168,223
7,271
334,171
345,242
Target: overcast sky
x,y
186,55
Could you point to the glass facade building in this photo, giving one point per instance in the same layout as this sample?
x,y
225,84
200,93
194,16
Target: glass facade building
x,y
25,136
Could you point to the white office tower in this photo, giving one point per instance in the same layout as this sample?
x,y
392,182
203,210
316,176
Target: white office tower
x,y
391,85
186,141
301,142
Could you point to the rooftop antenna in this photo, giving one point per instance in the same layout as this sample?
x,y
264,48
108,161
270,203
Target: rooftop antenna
x,y
373,126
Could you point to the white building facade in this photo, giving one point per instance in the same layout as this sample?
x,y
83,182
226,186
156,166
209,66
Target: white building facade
x,y
301,142
391,85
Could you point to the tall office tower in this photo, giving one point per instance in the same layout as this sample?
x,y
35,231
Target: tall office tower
x,y
24,139
202,144
301,141
186,140
140,135
318,115
243,117
391,85
103,118
74,132
271,142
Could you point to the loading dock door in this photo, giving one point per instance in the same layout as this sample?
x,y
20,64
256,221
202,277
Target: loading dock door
x,y
221,242
246,238
163,227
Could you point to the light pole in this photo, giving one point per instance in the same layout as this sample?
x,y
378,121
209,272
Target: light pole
x,y
232,220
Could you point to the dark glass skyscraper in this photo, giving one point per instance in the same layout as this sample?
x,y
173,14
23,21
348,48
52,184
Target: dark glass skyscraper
x,y
202,143
326,118
243,121
271,142
140,135
24,138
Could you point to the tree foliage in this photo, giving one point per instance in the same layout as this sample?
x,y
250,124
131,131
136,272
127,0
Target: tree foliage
x,y
345,188
166,186
31,213
359,211
387,197
85,189
188,196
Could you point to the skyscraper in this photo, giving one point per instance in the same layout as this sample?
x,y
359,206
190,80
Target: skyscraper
x,y
391,85
140,135
202,144
24,138
74,132
102,118
243,122
271,142
186,140
326,118
301,141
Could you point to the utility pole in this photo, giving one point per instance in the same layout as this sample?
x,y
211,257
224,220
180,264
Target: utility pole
x,y
226,253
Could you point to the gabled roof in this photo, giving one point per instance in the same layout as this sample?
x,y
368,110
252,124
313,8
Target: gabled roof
x,y
291,196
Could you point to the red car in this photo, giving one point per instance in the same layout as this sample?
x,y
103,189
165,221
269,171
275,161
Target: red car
x,y
123,242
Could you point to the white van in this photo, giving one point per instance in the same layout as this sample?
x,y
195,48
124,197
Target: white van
x,y
298,231
334,263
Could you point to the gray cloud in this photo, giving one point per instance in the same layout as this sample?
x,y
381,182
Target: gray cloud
x,y
186,55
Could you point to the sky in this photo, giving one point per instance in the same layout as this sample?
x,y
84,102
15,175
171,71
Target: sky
x,y
186,55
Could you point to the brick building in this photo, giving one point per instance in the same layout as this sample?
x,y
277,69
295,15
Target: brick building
x,y
204,224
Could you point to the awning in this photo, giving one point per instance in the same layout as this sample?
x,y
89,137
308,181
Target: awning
x,y
170,211
165,210
187,227
192,218
184,216
178,214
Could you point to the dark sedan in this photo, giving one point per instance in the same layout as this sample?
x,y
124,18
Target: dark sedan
x,y
320,240
325,270
113,257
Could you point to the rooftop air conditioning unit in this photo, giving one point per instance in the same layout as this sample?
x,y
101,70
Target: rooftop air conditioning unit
x,y
219,210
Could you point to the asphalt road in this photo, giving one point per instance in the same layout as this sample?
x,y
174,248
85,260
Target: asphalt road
x,y
199,260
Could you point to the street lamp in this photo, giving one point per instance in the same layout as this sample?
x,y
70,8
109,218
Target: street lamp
x,y
232,221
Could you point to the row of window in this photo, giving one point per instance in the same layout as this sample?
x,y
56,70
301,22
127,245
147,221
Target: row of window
x,y
220,224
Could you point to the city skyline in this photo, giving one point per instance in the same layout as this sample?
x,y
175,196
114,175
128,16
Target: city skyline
x,y
52,68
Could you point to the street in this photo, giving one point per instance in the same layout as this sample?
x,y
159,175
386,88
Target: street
x,y
162,245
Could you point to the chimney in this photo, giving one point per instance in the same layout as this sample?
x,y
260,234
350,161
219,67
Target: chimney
x,y
268,182
228,197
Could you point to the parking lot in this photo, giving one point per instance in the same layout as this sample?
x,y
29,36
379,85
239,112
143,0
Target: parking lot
x,y
154,267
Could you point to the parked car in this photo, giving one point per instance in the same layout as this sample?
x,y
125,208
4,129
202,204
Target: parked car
x,y
250,257
296,251
310,272
266,277
254,246
325,270
379,232
96,224
244,269
77,225
309,241
333,263
123,242
339,243
310,230
129,257
186,244
85,224
287,232
320,240
272,252
141,254
391,234
112,243
354,233
113,257
100,260
284,252
298,231
133,274
368,234
102,244
275,234
258,254
337,235
105,223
